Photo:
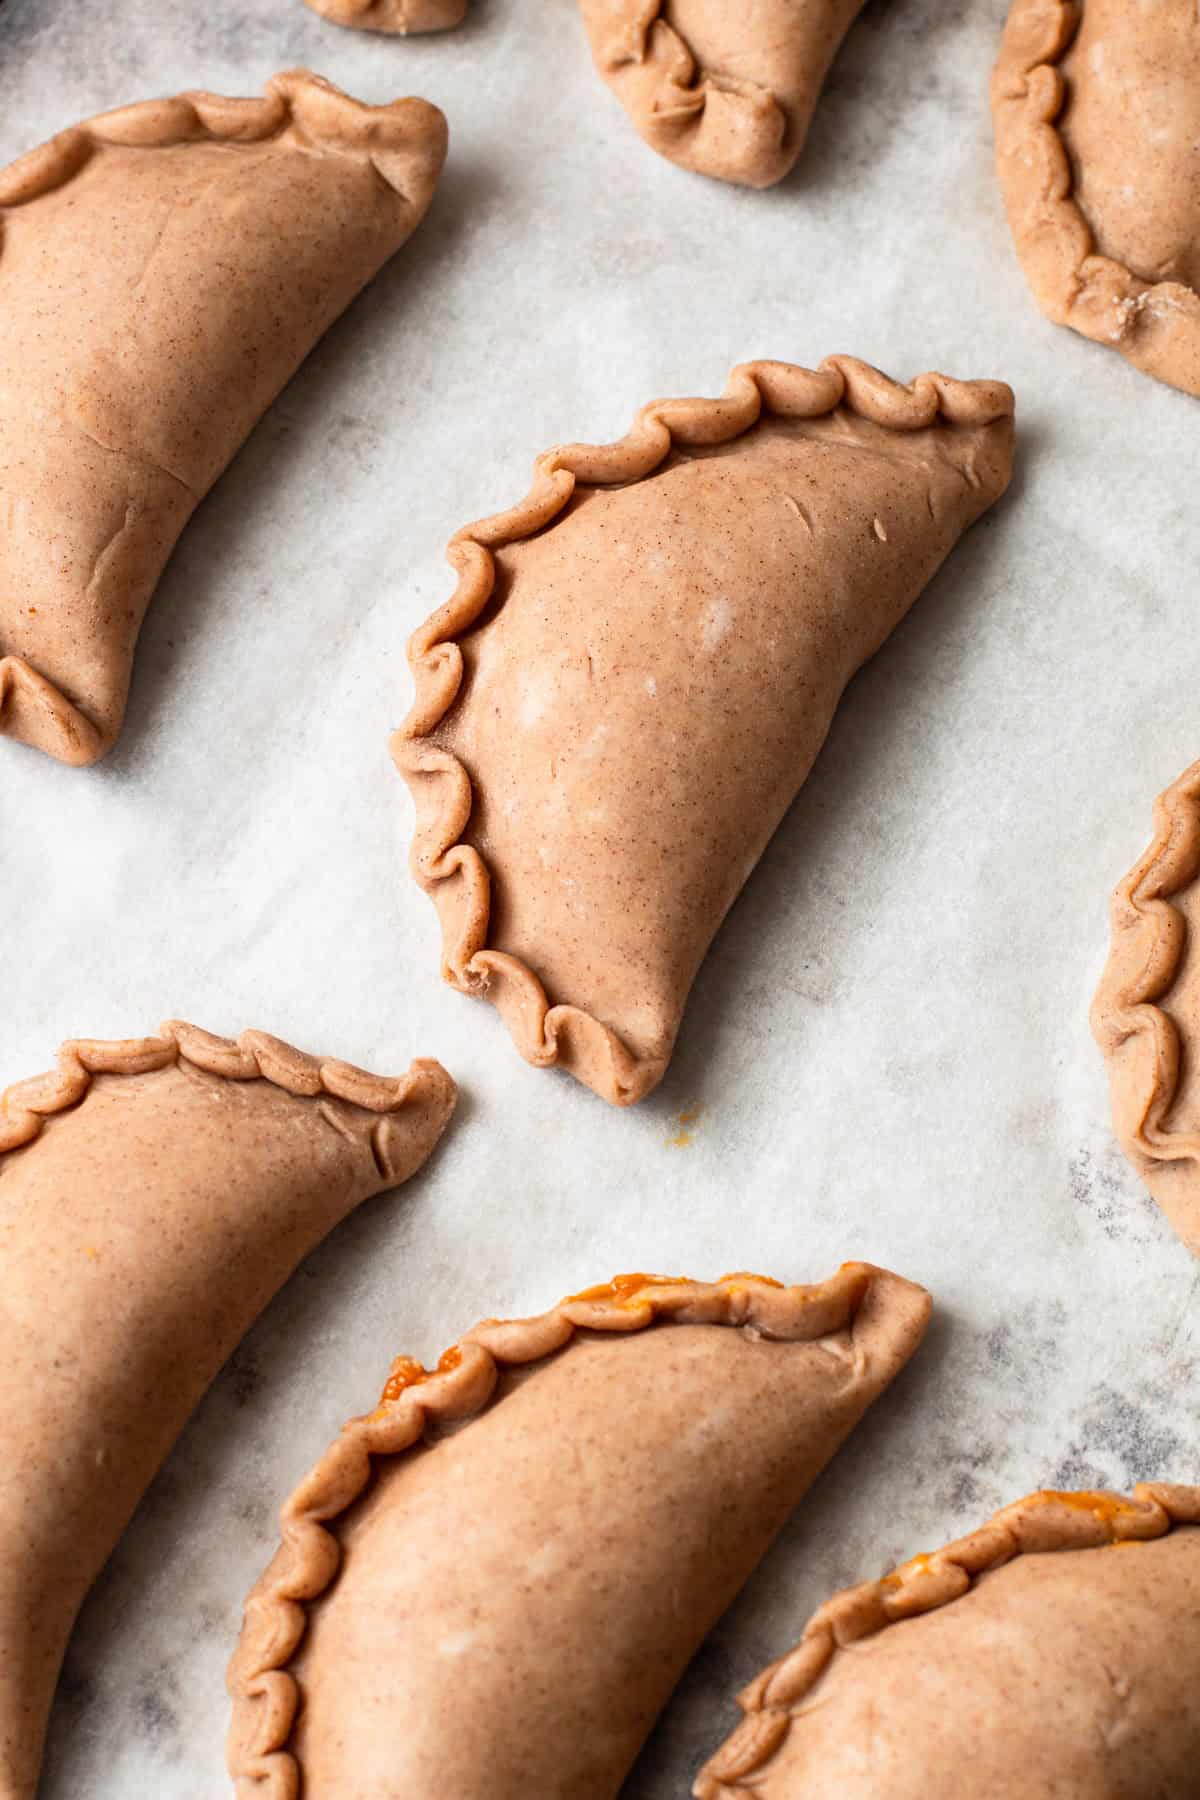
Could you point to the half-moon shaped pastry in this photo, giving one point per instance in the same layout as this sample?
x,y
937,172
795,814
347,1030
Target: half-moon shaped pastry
x,y
399,16
1098,152
1053,1652
1146,1013
488,1587
154,1194
636,672
164,270
722,88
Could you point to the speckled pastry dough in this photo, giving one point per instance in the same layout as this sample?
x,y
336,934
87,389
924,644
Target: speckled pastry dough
x,y
164,270
1053,1653
154,1194
724,87
517,1597
1098,149
636,672
1146,1013
399,16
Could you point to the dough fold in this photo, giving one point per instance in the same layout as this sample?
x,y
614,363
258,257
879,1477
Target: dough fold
x,y
724,89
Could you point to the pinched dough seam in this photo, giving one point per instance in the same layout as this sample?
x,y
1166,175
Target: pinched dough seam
x,y
1155,325
265,1697
1040,1523
1148,940
254,1055
683,92
79,740
441,861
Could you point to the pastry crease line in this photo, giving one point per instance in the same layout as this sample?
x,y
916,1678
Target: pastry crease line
x,y
440,860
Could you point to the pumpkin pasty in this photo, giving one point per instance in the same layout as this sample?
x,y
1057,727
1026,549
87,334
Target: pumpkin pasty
x,y
154,1194
637,670
1098,151
164,270
1054,1652
551,1522
1146,1013
399,16
725,89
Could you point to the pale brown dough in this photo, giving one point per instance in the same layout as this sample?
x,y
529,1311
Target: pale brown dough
x,y
164,270
1146,1013
724,87
154,1194
499,1611
1051,1655
637,670
398,16
1097,121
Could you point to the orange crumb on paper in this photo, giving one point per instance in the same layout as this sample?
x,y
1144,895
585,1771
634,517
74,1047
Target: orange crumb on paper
x,y
691,1115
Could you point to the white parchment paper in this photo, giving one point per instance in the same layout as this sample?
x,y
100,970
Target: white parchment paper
x,y
888,1041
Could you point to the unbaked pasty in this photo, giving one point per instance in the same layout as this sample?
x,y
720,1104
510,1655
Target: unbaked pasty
x,y
164,270
724,87
1053,1653
400,16
533,1539
1146,1014
154,1194
637,670
1098,149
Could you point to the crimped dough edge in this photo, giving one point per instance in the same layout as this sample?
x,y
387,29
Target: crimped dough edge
x,y
265,1696
406,139
440,785
254,1055
685,98
1043,1522
332,120
1148,940
1155,325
